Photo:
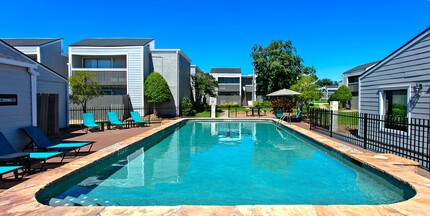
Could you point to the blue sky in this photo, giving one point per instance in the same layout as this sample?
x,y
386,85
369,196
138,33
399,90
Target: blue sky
x,y
330,35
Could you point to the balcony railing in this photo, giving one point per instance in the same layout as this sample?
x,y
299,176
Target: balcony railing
x,y
110,77
231,87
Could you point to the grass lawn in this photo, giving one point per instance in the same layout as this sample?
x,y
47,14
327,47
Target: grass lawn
x,y
207,114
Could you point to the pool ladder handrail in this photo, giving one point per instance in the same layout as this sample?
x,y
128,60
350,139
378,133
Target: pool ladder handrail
x,y
282,119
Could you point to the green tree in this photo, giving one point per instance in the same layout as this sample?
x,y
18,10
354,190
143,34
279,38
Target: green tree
x,y
83,88
307,86
187,107
278,66
343,94
204,85
326,82
157,90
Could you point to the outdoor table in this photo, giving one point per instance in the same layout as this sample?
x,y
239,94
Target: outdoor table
x,y
102,125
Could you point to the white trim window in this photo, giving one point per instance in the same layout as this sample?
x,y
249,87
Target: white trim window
x,y
394,107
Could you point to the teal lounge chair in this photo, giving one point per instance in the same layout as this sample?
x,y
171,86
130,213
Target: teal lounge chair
x,y
8,154
89,121
135,116
113,119
8,169
297,118
40,141
278,113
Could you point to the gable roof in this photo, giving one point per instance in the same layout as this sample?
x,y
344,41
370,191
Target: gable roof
x,y
399,51
113,42
225,70
361,67
25,58
29,41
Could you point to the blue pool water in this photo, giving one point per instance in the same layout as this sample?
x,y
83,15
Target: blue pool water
x,y
230,163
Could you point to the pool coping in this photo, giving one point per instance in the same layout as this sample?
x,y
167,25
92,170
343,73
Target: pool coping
x,y
20,200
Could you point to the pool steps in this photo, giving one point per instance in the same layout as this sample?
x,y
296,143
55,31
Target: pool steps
x,y
82,200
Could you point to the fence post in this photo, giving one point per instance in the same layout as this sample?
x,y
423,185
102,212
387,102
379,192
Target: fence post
x,y
228,111
331,123
365,132
310,117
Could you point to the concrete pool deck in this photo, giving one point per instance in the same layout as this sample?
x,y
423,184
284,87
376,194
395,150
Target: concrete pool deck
x,y
20,199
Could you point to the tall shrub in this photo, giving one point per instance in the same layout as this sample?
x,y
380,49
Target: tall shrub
x,y
157,90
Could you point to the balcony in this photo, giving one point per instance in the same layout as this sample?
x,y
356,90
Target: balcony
x,y
224,87
108,77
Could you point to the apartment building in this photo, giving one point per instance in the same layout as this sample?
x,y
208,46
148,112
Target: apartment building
x,y
47,51
122,64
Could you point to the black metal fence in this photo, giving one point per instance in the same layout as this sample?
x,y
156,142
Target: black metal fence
x,y
408,138
100,113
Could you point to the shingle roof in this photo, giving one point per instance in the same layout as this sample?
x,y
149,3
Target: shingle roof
x,y
113,42
29,41
225,70
361,67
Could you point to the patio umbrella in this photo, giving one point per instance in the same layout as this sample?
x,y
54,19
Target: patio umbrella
x,y
282,92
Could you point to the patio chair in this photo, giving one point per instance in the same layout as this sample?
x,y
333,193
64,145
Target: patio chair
x,y
8,169
135,116
297,118
278,113
8,154
40,141
89,121
113,119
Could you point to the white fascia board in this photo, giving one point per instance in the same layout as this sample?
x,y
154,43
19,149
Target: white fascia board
x,y
33,50
116,47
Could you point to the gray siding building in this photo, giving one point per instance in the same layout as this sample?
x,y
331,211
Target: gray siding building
x,y
121,66
24,78
175,67
401,81
229,85
47,51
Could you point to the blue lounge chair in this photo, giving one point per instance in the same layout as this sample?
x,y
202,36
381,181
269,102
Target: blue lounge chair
x,y
8,169
135,116
113,119
89,121
278,113
297,118
9,154
41,141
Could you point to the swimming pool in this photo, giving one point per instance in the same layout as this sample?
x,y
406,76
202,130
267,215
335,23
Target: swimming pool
x,y
229,163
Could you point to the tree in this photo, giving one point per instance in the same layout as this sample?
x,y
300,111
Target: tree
x,y
343,94
307,86
278,66
326,82
84,88
157,90
204,85
187,107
